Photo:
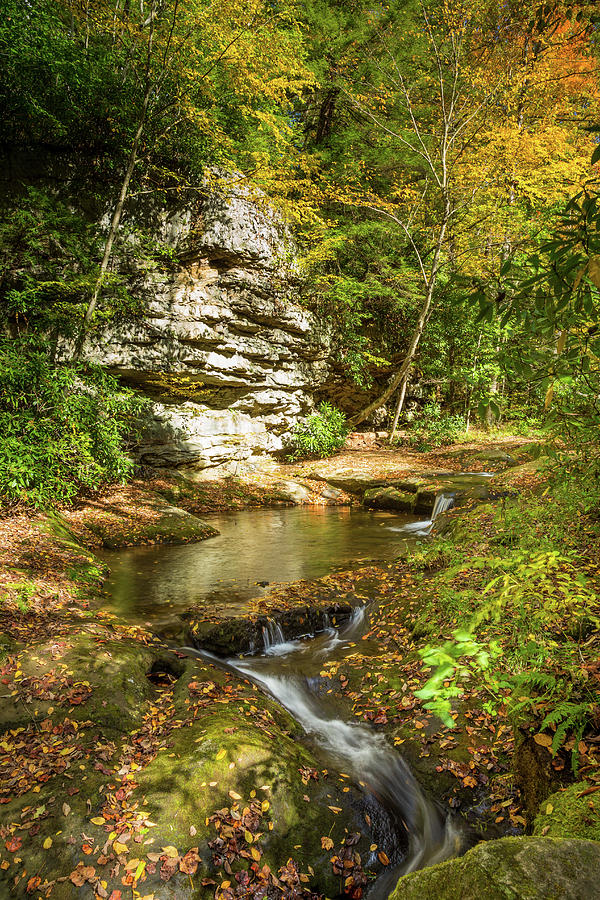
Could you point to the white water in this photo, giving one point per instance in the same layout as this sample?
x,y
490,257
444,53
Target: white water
x,y
443,502
272,635
353,747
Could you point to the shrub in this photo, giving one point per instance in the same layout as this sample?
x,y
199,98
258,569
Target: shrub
x,y
64,428
434,428
320,434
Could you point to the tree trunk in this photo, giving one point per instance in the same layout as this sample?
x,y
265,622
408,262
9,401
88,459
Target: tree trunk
x,y
120,205
418,329
399,406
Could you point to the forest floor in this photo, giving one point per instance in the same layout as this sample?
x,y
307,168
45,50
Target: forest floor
x,y
99,718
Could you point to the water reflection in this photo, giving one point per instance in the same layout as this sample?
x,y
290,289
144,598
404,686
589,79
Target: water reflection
x,y
254,549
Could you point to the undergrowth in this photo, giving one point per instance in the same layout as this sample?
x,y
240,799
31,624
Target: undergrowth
x,y
522,580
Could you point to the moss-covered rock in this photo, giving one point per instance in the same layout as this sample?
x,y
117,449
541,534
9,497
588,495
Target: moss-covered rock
x,y
568,814
171,525
389,498
522,868
93,676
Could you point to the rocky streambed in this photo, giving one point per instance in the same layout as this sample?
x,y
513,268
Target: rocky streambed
x,y
141,752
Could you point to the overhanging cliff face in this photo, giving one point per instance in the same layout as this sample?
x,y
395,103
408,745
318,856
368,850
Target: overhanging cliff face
x,y
228,358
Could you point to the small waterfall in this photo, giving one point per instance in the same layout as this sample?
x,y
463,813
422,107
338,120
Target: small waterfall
x,y
443,501
272,635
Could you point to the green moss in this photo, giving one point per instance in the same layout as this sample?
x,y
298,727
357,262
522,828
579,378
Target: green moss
x,y
171,526
566,814
389,498
510,869
115,670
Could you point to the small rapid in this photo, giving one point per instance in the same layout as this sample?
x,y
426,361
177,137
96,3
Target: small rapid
x,y
289,672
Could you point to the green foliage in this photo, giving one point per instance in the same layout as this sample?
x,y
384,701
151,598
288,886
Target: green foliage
x,y
550,300
49,261
320,434
64,428
20,594
435,428
528,607
453,663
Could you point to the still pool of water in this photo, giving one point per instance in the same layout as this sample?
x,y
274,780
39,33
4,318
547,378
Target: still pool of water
x,y
255,548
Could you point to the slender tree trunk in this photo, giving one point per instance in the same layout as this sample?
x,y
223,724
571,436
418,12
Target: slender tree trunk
x,y
399,406
474,371
418,329
120,205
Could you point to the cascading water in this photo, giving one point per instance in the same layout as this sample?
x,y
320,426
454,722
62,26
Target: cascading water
x,y
443,502
288,672
272,635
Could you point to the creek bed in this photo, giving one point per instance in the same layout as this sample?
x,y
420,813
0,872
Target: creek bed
x,y
256,548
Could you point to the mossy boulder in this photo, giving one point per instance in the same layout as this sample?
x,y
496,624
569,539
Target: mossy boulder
x,y
568,814
90,674
354,482
150,521
425,500
389,498
524,868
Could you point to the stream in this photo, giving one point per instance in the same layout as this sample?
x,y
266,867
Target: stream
x,y
255,549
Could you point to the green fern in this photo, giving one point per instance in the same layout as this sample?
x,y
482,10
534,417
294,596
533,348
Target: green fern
x,y
570,719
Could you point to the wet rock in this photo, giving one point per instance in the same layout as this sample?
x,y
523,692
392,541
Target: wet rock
x,y
494,454
426,500
389,498
354,482
235,635
524,868
331,493
292,492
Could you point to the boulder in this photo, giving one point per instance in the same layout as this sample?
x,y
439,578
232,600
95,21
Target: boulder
x,y
494,454
354,482
523,868
246,634
154,521
331,493
569,815
425,500
389,498
292,492
227,357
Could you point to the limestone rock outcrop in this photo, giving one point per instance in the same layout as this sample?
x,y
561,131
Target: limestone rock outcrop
x,y
226,354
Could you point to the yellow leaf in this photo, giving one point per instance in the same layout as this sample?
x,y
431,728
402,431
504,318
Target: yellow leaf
x,y
221,754
98,820
248,837
549,809
234,796
543,740
255,853
265,805
140,870
173,852
47,843
118,847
